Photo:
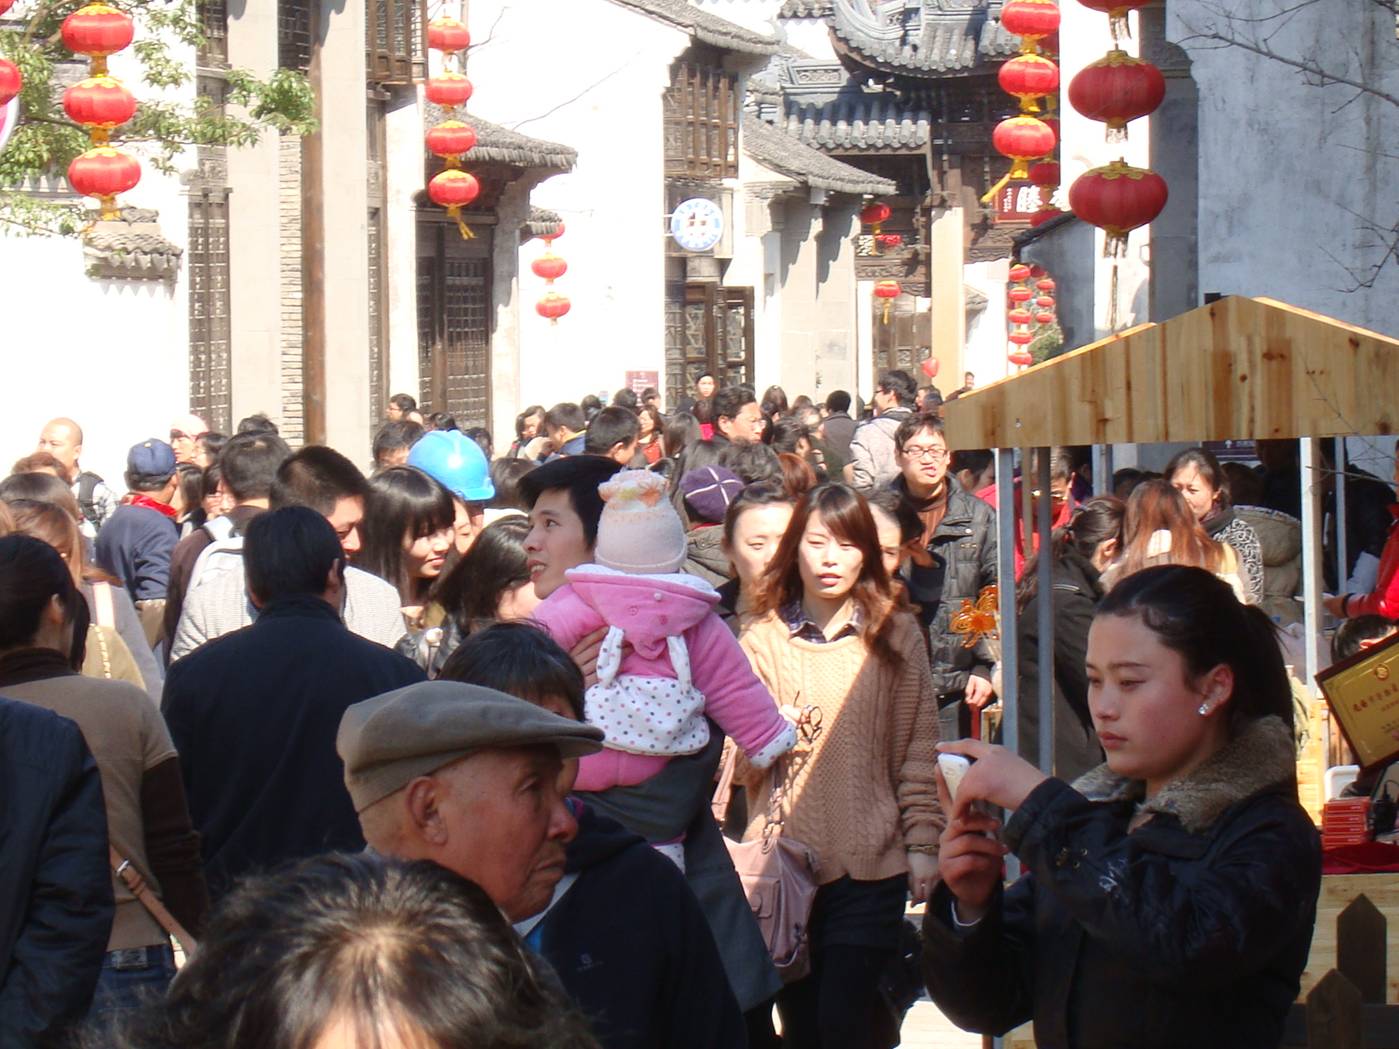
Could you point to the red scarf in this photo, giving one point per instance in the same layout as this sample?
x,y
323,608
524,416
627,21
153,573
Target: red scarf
x,y
142,499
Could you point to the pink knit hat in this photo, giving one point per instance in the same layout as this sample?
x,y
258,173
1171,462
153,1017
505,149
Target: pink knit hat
x,y
639,532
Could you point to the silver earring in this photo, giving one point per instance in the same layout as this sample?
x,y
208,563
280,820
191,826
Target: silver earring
x,y
1204,710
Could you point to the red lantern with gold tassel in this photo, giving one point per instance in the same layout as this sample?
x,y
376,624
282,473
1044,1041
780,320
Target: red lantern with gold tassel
x,y
1117,89
98,30
1021,338
553,306
1118,198
448,35
10,81
1021,359
550,267
1019,316
888,290
1046,317
454,189
451,138
1029,78
1019,295
100,103
102,173
1018,273
1022,139
448,90
1032,20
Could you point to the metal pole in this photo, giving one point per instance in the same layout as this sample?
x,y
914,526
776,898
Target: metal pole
x,y
1102,469
1310,457
1044,581
1342,547
1010,642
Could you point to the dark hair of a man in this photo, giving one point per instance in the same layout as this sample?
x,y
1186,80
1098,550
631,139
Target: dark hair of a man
x,y
213,479
211,444
506,475
191,486
470,593
520,660
403,503
580,476
977,460
399,952
650,394
1195,613
442,421
1095,522
901,385
290,552
404,403
591,405
838,401
567,415
42,488
318,477
679,432
392,436
37,462
533,409
609,428
916,424
846,514
769,493
703,411
893,503
249,462
626,398
31,574
1353,633
728,402
752,461
484,441
1209,470
257,423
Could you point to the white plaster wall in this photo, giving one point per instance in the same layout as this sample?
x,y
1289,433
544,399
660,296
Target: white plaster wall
x,y
1291,172
595,83
403,164
810,36
987,351
757,15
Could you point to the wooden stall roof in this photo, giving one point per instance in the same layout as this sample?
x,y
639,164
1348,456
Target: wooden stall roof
x,y
1237,369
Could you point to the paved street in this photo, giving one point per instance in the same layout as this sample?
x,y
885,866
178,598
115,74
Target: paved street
x,y
926,1028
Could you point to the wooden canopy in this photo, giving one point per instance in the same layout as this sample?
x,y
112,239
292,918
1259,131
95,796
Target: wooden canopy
x,y
1237,369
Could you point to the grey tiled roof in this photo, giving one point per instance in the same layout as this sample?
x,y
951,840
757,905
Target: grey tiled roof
x,y
934,44
500,145
542,223
131,247
782,153
705,27
857,120
805,9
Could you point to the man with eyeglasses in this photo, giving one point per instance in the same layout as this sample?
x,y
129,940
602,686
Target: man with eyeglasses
x,y
956,559
872,462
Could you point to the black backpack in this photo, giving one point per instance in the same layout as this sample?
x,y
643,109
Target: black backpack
x,y
87,487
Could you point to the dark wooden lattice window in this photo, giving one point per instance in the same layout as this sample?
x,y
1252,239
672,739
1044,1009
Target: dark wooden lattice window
x,y
396,41
701,120
708,329
209,329
454,322
294,23
213,29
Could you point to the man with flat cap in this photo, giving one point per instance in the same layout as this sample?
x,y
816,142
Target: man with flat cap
x,y
469,778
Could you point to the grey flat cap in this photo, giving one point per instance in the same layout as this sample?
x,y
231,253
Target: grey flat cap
x,y
389,740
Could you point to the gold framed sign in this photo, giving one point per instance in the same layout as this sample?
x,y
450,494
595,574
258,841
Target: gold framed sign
x,y
1363,694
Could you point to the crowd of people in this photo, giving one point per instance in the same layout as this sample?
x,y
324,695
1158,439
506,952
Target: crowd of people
x,y
429,752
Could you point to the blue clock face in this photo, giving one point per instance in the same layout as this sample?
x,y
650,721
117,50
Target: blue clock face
x,y
697,224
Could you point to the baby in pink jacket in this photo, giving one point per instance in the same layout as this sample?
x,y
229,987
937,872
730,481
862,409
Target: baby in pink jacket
x,y
680,665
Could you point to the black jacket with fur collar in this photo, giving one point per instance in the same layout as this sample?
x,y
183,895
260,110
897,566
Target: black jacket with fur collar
x,y
1190,930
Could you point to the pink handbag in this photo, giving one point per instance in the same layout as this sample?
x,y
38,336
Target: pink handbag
x,y
778,875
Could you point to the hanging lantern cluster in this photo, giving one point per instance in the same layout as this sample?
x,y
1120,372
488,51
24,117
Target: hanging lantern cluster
x,y
875,215
1019,317
100,103
1030,77
451,188
888,290
1044,302
550,267
1116,90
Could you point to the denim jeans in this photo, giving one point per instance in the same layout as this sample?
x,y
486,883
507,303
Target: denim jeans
x,y
130,978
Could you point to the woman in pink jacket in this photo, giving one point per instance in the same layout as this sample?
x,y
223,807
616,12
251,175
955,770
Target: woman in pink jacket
x,y
668,664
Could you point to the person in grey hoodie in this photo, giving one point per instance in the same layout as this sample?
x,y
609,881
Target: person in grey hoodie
x,y
872,454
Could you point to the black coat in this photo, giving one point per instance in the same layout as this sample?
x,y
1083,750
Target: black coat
x,y
631,946
254,716
55,881
1075,594
1192,930
1368,521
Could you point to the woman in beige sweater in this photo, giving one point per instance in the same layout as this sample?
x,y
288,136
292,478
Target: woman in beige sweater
x,y
831,639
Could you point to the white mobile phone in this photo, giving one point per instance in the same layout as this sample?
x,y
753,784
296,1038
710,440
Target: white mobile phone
x,y
954,767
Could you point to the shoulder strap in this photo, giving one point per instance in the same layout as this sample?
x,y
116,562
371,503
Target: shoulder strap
x,y
87,488
132,879
102,598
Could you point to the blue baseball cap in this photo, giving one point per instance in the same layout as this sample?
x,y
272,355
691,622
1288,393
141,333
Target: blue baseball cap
x,y
152,458
456,462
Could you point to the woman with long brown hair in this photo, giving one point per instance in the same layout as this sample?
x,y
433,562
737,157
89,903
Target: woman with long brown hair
x,y
831,640
1160,529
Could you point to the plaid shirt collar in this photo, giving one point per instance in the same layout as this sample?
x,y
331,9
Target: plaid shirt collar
x,y
801,625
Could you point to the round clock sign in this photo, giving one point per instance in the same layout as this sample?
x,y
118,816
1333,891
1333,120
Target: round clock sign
x,y
697,224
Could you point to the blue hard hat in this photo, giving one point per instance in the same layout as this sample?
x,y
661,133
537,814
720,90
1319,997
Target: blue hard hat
x,y
456,462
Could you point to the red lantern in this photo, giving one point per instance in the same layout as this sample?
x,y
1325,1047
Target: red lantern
x,y
1019,316
448,89
5,5
97,30
1042,216
1045,302
890,240
1021,338
99,102
875,214
1046,285
1020,295
930,367
1019,272
1045,173
448,35
888,290
451,138
1053,124
1118,198
1022,139
453,189
1021,359
1044,318
1032,19
1116,10
552,305
1116,89
1028,78
550,267
10,80
104,172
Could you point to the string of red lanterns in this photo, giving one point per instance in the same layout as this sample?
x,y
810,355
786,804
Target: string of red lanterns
x,y
100,103
1019,316
451,188
550,267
